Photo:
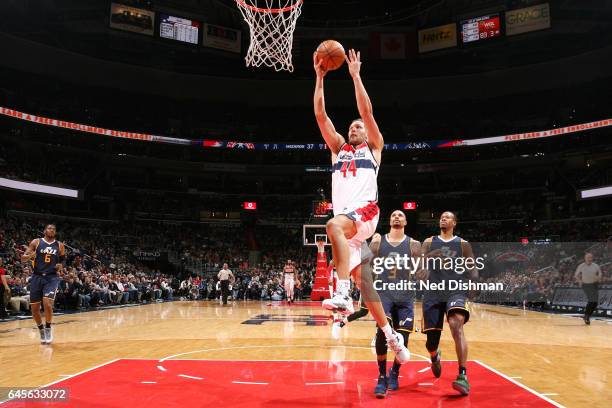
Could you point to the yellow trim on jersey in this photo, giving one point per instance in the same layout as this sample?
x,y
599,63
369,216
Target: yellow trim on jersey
x,y
423,329
406,330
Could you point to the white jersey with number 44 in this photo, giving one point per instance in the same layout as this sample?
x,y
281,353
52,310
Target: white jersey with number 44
x,y
354,178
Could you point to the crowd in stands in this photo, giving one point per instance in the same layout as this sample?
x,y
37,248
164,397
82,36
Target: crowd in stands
x,y
103,267
531,281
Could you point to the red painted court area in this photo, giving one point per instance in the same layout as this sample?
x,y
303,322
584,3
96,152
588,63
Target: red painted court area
x,y
205,383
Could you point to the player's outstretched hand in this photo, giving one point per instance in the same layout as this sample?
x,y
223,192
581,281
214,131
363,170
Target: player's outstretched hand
x,y
353,60
317,64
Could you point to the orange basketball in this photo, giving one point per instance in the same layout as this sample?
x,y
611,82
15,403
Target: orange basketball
x,y
332,54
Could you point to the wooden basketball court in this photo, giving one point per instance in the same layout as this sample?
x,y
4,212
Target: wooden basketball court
x,y
262,354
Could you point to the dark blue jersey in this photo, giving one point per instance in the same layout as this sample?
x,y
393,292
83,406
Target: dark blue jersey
x,y
444,267
400,269
47,257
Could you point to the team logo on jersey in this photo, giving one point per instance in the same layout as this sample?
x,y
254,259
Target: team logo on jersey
x,y
49,250
446,252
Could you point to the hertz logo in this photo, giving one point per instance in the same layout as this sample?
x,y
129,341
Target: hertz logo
x,y
437,36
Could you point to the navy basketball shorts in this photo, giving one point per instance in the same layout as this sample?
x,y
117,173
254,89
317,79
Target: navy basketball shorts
x,y
399,313
43,286
434,309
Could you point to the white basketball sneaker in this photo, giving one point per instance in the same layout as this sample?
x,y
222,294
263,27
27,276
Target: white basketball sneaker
x,y
396,343
48,335
336,327
342,304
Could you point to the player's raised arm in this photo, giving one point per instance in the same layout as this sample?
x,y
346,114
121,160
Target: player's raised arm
x,y
333,139
375,138
30,253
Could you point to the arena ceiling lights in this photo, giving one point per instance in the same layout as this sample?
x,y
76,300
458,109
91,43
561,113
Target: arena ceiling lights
x,y
38,188
596,192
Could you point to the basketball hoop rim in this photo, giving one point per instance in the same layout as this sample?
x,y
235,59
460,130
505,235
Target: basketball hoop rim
x,y
270,10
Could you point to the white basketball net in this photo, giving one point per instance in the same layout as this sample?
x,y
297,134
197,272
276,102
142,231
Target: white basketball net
x,y
271,28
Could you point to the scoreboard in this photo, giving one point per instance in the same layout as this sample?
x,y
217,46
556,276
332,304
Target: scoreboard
x,y
179,29
481,28
321,208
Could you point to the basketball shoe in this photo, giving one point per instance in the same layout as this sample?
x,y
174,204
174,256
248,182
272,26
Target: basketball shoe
x,y
393,380
342,304
436,365
48,335
461,384
396,343
381,387
336,326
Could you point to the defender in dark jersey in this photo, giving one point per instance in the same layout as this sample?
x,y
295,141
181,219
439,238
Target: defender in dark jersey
x,y
445,248
47,255
398,304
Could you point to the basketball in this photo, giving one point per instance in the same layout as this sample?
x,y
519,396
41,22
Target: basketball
x,y
332,54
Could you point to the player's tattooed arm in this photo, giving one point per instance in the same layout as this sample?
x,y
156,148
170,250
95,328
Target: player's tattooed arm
x,y
468,253
423,273
375,244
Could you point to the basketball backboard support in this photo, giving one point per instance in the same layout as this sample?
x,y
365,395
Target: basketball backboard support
x,y
311,233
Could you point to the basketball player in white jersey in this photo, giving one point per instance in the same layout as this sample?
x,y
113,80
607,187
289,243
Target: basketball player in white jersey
x,y
354,196
289,279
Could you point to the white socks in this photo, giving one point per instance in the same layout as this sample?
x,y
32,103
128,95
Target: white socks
x,y
343,287
388,331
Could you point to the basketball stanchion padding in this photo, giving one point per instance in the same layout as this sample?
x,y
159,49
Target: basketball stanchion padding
x,y
320,287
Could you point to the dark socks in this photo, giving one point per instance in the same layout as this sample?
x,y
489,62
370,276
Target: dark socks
x,y
40,327
462,370
47,325
382,368
396,366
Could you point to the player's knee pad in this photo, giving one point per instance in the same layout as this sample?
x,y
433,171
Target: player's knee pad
x,y
433,340
381,343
